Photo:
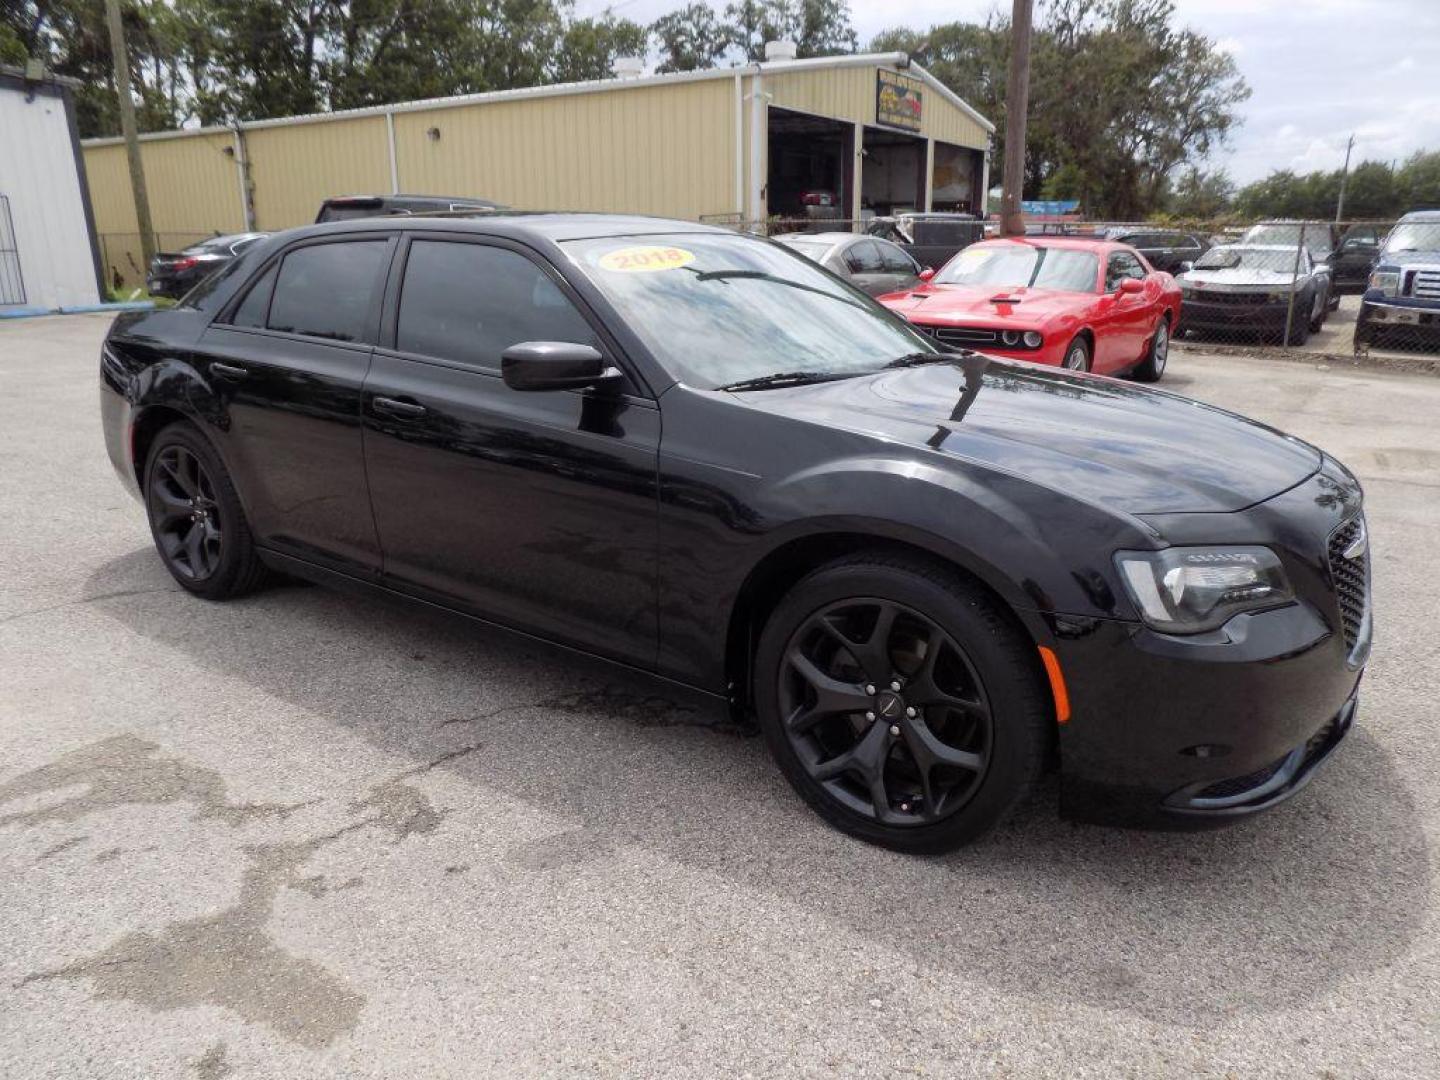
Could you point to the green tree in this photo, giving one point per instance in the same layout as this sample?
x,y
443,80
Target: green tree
x,y
692,38
818,27
590,47
1198,195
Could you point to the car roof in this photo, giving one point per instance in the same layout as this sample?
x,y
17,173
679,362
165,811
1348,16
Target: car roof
x,y
1070,243
824,237
1422,215
552,226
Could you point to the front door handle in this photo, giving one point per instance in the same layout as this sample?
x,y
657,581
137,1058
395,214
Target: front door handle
x,y
401,410
228,371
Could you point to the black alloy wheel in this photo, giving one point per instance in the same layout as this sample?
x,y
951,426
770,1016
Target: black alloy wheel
x,y
885,711
901,701
184,513
196,517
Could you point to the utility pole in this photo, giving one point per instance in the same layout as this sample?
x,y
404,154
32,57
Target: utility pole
x,y
1017,103
1344,175
127,128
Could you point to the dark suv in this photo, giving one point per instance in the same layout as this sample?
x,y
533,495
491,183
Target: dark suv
x,y
1165,249
1402,296
345,207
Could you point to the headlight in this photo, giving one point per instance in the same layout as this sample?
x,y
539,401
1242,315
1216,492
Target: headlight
x,y
1010,337
1185,590
1386,281
1279,296
1033,339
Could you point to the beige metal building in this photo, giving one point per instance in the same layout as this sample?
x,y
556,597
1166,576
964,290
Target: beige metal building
x,y
868,132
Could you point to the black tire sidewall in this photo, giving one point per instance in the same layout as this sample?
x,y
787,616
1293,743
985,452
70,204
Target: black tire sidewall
x,y
236,569
1000,655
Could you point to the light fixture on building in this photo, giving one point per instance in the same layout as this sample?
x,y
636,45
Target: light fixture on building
x,y
433,134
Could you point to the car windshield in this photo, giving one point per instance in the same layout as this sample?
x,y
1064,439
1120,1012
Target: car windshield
x,y
1012,266
717,309
1248,258
1287,233
1414,236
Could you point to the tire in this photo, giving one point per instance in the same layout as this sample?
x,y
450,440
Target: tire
x,y
1152,368
1299,328
195,516
981,716
1077,355
1318,314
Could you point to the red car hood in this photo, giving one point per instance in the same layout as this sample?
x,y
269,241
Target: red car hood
x,y
975,306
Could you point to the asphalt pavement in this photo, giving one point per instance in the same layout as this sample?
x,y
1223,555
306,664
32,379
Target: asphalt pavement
x,y
314,835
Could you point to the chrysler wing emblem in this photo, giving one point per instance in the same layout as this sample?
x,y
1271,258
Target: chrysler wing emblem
x,y
1360,544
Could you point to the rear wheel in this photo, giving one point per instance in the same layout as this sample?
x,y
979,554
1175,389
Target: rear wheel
x,y
1153,366
1077,355
900,703
1318,314
196,518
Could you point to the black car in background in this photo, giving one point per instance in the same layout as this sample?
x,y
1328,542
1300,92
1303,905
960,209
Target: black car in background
x,y
932,239
1170,250
1352,261
872,265
698,454
174,273
347,207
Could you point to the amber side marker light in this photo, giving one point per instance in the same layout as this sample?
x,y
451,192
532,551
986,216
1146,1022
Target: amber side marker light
x,y
1057,684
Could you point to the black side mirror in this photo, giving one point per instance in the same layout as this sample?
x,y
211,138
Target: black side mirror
x,y
1186,266
554,365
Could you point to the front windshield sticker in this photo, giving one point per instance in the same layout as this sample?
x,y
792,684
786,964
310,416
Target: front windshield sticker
x,y
646,260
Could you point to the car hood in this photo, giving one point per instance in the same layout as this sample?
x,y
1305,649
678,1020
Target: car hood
x,y
1404,260
1131,449
1241,275
969,303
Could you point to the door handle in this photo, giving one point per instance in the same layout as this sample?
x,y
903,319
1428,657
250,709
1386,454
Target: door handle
x,y
401,410
229,372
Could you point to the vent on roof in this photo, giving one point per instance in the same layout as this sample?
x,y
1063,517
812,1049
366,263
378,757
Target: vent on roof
x,y
779,50
628,67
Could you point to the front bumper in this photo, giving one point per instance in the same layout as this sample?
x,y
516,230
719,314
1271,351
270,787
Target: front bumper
x,y
1409,318
1202,315
1197,730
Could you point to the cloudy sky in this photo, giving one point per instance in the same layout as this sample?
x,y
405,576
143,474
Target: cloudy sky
x,y
1318,70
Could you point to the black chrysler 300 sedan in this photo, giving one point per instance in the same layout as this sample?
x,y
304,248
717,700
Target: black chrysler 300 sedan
x,y
698,454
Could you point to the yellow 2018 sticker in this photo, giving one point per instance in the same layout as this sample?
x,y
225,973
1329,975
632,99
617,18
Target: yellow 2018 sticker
x,y
646,260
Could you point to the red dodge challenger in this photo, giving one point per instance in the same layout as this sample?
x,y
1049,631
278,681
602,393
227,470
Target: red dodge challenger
x,y
1082,304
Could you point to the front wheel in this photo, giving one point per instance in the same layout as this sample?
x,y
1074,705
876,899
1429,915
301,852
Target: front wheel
x,y
196,518
1077,355
1153,366
900,702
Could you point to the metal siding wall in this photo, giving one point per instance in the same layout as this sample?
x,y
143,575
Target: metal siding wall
x,y
666,150
294,167
194,185
38,173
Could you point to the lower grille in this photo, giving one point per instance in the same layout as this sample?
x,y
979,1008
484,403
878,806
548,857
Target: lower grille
x,y
1251,298
1237,785
959,335
1350,576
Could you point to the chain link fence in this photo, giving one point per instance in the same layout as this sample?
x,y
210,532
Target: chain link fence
x,y
1327,288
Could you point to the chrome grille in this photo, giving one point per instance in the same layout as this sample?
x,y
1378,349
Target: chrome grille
x,y
1351,577
1425,284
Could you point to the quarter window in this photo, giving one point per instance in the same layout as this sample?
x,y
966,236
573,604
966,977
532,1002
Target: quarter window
x,y
253,308
470,302
327,290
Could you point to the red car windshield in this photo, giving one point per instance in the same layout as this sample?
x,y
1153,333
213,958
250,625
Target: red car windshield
x,y
1013,266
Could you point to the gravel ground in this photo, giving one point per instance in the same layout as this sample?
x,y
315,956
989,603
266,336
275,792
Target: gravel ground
x,y
309,835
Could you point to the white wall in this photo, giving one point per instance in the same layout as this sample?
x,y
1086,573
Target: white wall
x,y
39,175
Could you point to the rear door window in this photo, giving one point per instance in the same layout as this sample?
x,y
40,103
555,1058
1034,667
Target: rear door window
x,y
864,258
468,303
896,261
327,290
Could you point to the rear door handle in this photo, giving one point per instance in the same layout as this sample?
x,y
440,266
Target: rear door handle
x,y
228,371
401,410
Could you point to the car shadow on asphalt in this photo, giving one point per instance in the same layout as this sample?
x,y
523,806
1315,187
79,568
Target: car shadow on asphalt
x,y
1177,927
